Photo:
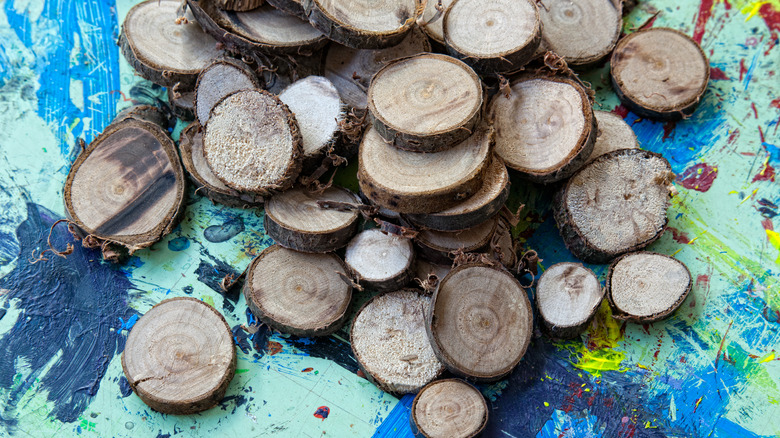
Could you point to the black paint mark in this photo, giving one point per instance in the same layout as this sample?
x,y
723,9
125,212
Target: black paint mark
x,y
188,290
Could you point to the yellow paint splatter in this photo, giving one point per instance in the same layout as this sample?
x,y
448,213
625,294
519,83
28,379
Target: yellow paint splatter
x,y
752,8
768,358
774,240
598,354
546,404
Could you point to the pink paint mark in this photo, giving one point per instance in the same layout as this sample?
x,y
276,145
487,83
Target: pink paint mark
x,y
742,69
322,412
679,236
703,279
766,174
621,111
767,224
699,177
668,128
717,74
705,12
775,103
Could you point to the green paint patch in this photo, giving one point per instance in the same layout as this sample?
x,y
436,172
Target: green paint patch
x,y
241,371
208,300
87,425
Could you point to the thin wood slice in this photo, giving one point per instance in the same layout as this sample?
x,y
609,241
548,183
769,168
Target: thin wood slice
x,y
428,274
433,19
480,322
252,143
292,7
238,5
220,78
180,357
162,51
439,106
440,246
382,262
659,73
389,342
182,103
545,128
502,245
493,36
614,205
298,293
449,408
567,296
614,133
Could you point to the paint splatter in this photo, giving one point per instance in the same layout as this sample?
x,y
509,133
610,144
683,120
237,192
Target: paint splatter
x,y
322,412
699,177
273,347
679,236
224,232
717,74
307,370
179,244
766,174
705,12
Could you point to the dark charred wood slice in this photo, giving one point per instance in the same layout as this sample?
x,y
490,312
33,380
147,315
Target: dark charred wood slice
x,y
238,5
614,133
381,261
432,22
182,103
449,408
298,293
162,51
292,7
480,322
647,286
567,296
145,113
614,205
220,78
389,342
439,246
659,73
180,357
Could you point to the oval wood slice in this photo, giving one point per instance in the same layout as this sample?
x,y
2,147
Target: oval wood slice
x,y
614,133
291,7
298,293
382,262
221,78
440,246
480,323
647,286
425,103
614,205
449,408
180,357
659,73
583,32
433,19
567,296
182,103
162,51
238,5
389,342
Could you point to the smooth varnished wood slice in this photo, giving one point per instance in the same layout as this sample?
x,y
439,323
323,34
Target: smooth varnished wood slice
x,y
220,78
439,246
238,5
567,296
389,342
298,293
182,103
449,408
545,129
613,134
180,357
381,261
292,7
432,22
480,322
493,36
252,143
162,51
659,73
583,32
614,205
425,103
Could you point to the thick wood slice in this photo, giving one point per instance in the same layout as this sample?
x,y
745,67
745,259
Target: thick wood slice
x,y
659,73
583,32
180,357
494,35
411,182
567,296
220,78
292,7
614,133
298,293
381,261
425,103
389,342
238,5
252,143
647,286
439,246
614,205
295,220
480,323
545,129
162,51
449,408
433,19
182,103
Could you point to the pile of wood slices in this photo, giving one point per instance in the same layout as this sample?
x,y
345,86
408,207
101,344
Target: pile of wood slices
x,y
439,101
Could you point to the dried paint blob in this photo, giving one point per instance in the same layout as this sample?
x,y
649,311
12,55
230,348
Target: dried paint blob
x,y
322,412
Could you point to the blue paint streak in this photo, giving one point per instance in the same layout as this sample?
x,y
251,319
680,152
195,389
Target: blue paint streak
x,y
749,74
396,423
563,425
178,244
129,324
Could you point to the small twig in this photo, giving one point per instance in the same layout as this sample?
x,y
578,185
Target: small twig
x,y
396,230
350,282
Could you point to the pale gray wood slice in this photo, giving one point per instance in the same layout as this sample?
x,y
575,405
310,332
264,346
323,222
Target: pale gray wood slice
x,y
382,261
583,32
567,296
272,27
449,408
614,133
219,79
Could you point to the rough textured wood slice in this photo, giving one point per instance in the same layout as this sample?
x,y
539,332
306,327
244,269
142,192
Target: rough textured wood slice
x,y
583,32
162,51
221,78
292,7
182,103
480,322
433,20
494,35
389,342
659,73
424,269
382,262
614,133
438,246
502,245
238,5
298,293
252,143
567,296
411,182
545,129
295,220
614,205
449,408
180,357
425,103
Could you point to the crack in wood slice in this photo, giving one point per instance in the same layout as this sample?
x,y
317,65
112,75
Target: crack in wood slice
x,y
614,133
382,262
448,408
238,5
219,79
567,296
292,7
583,32
439,246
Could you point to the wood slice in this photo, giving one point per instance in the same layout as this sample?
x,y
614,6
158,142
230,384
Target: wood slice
x,y
411,182
614,205
182,103
614,133
545,129
493,36
439,107
221,78
382,262
292,7
433,20
252,143
502,245
567,296
162,51
449,408
659,73
180,357
647,286
480,322
298,293
389,342
439,246
238,5
295,220
423,270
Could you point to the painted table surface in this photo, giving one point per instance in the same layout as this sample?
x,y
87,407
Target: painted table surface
x,y
711,370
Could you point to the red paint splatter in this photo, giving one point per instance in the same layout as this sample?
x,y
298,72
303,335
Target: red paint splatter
x,y
679,236
767,224
307,370
322,412
668,128
755,111
766,174
720,349
682,359
733,136
775,103
703,279
124,98
699,177
655,356
742,69
705,12
621,111
273,347
761,135
771,16
717,74
361,374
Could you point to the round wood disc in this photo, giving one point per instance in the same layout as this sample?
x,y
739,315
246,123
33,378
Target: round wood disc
x,y
182,103
382,261
180,357
614,133
449,408
434,28
438,246
567,296
238,5
292,7
296,292
438,106
220,78
480,322
389,342
583,32
659,73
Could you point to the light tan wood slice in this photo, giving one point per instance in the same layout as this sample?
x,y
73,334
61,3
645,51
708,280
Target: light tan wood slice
x,y
292,7
433,19
567,296
220,78
439,246
380,261
449,408
583,32
614,133
238,5
182,103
